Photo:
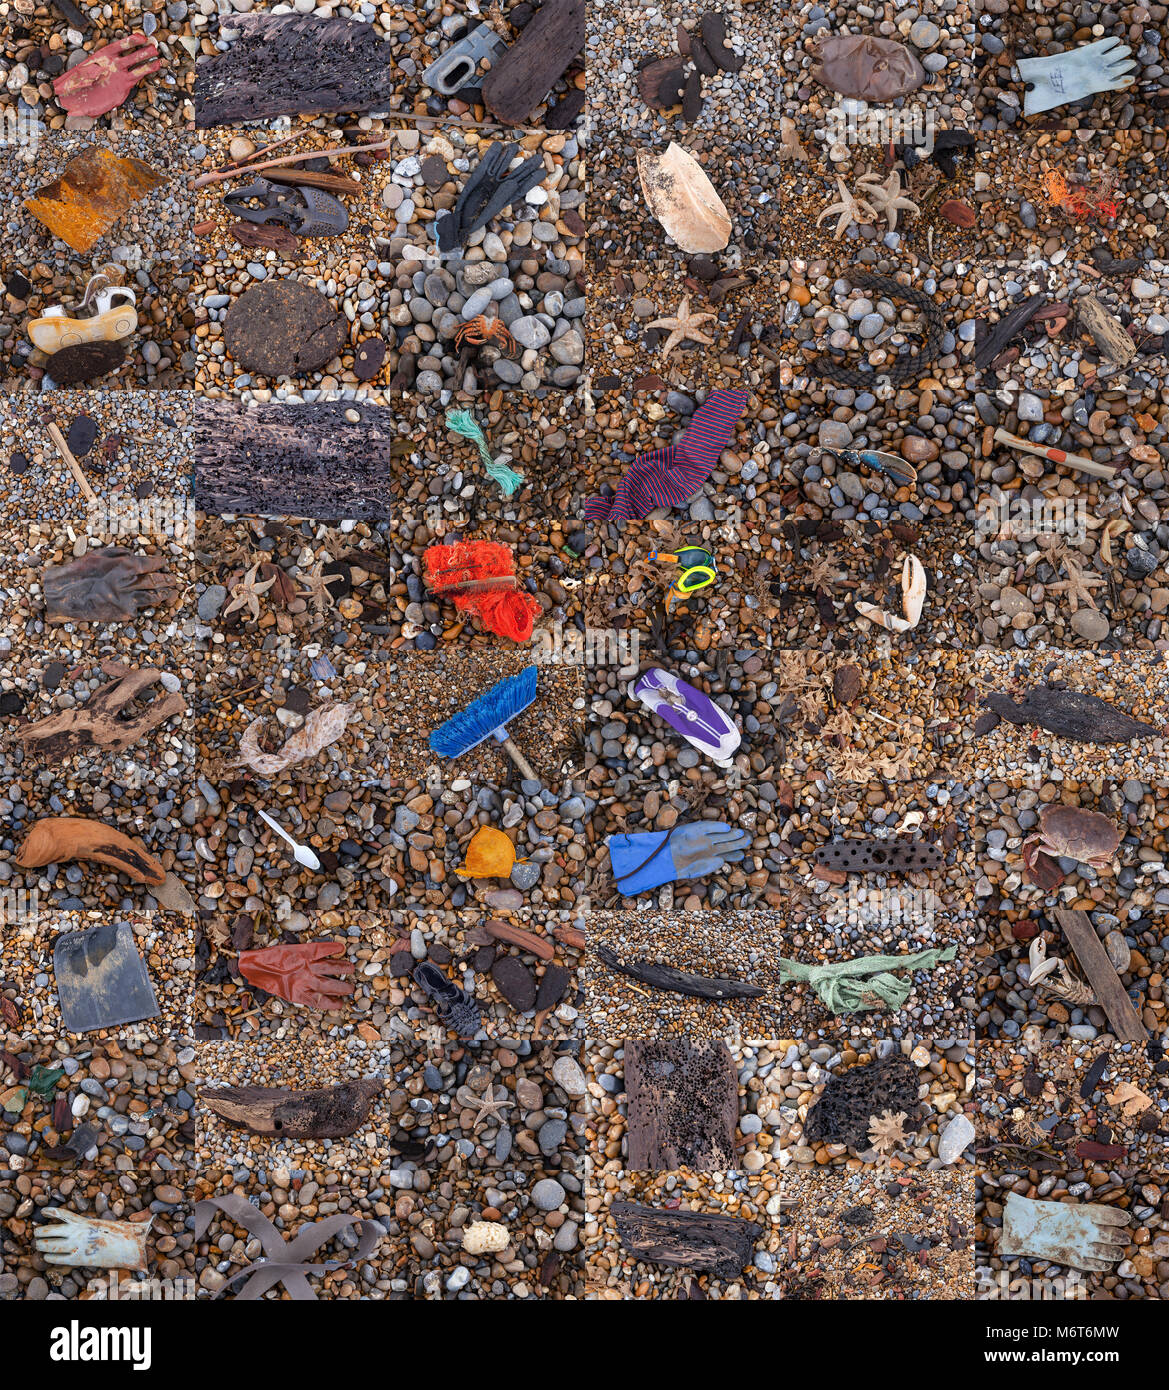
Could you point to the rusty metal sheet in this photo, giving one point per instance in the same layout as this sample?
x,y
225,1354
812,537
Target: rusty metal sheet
x,y
94,191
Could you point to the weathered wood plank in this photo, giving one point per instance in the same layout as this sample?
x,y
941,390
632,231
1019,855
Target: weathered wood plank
x,y
528,71
682,1106
705,1241
1100,974
293,460
1070,714
293,65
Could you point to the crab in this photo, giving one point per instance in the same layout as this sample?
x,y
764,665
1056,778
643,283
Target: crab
x,y
1068,832
482,330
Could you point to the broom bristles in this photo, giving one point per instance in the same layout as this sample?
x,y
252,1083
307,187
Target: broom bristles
x,y
482,717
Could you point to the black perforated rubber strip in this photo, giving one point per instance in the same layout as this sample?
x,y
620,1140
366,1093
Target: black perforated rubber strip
x,y
893,856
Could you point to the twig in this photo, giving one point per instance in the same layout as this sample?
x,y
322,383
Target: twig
x,y
204,179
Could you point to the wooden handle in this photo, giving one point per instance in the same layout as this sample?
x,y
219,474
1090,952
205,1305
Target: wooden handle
x,y
520,761
1097,470
1101,975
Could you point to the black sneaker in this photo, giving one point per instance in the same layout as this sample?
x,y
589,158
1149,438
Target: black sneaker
x,y
454,1005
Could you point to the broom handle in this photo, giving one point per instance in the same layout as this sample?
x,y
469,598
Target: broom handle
x,y
1097,470
518,758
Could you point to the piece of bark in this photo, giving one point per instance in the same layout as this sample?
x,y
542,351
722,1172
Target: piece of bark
x,y
570,936
293,460
990,342
267,236
1071,714
1106,331
311,178
1100,1153
525,940
1101,975
679,981
59,839
683,1105
294,65
330,1112
528,71
708,1242
103,721
515,982
553,986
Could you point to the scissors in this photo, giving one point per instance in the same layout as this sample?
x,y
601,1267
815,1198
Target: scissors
x,y
698,571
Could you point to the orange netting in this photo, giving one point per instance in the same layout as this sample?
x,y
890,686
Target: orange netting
x,y
480,577
1081,202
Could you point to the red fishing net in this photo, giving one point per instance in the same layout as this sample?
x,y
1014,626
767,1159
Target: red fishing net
x,y
480,577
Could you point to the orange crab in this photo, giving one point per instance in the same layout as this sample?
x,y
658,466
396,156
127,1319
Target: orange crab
x,y
482,330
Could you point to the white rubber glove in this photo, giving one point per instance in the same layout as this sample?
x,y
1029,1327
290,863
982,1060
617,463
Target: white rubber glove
x,y
1060,78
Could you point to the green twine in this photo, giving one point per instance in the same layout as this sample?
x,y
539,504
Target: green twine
x,y
464,423
844,992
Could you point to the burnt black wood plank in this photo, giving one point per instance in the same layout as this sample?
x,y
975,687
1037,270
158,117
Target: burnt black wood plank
x,y
293,65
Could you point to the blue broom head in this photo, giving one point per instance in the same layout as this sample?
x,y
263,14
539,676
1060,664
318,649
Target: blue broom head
x,y
485,716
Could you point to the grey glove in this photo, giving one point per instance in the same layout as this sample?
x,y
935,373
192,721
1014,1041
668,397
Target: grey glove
x,y
1060,78
1087,1235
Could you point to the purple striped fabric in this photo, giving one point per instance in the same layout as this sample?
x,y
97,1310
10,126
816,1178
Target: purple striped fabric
x,y
667,477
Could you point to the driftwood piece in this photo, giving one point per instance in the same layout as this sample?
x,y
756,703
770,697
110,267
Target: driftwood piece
x,y
1101,975
309,178
525,940
59,839
679,981
103,721
528,71
293,460
294,65
683,1105
1106,331
1071,714
329,1112
708,1242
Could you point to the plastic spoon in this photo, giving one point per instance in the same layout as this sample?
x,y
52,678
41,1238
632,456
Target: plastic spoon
x,y
301,853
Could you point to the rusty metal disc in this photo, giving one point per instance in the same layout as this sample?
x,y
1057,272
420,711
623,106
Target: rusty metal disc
x,y
282,328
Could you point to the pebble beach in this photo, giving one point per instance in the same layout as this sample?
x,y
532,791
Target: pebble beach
x,y
584,621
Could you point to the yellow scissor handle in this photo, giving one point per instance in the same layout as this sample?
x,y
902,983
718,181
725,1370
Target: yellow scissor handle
x,y
694,578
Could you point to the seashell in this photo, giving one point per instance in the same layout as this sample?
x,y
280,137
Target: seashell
x,y
682,198
439,145
485,1238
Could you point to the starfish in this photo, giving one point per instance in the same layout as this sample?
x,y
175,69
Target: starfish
x,y
489,1106
246,593
887,197
1078,585
682,327
318,587
852,209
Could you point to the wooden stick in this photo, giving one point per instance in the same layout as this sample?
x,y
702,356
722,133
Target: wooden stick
x,y
75,468
1085,465
204,179
1101,975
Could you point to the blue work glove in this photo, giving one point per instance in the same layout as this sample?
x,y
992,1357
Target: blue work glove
x,y
650,858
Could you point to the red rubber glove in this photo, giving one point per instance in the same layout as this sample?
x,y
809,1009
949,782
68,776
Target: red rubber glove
x,y
308,973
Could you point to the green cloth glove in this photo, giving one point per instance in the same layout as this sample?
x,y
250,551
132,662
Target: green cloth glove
x,y
844,990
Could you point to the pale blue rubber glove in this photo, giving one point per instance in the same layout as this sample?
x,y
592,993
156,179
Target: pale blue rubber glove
x,y
650,858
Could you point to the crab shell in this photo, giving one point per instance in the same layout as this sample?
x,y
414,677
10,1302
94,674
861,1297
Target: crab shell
x,y
1072,832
